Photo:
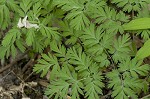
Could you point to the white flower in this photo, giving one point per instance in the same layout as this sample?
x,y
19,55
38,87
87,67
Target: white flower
x,y
26,23
20,25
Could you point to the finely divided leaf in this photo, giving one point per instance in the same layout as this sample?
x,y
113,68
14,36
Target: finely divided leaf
x,y
30,36
11,37
93,83
45,64
4,16
123,88
58,89
133,68
121,48
76,16
50,32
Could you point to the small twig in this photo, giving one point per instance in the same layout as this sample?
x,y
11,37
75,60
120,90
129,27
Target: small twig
x,y
23,82
6,75
18,77
28,76
132,16
145,96
43,83
14,62
105,96
30,62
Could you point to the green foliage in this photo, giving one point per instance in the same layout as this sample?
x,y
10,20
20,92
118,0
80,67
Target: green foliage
x,y
125,81
45,63
141,23
8,43
133,68
96,40
69,33
144,13
78,20
49,32
109,19
144,51
6,6
25,6
121,48
86,46
62,85
85,76
131,5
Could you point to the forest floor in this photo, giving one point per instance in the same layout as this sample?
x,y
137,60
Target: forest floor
x,y
18,81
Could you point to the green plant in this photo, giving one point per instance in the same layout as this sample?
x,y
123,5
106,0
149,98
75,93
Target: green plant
x,y
89,45
139,24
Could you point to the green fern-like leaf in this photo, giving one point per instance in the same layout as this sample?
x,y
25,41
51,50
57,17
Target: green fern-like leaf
x,y
25,7
30,36
109,19
4,15
46,63
92,5
20,44
8,42
69,33
67,83
78,20
121,48
59,49
12,4
36,9
11,37
79,59
129,5
145,34
7,51
38,45
93,83
91,38
133,68
75,83
124,91
96,41
76,89
86,51
102,60
59,88
61,52
50,32
123,88
77,17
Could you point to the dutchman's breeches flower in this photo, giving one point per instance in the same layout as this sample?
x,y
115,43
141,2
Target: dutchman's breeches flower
x,y
25,23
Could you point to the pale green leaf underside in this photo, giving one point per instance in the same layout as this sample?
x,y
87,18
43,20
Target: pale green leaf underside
x,y
144,51
137,24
